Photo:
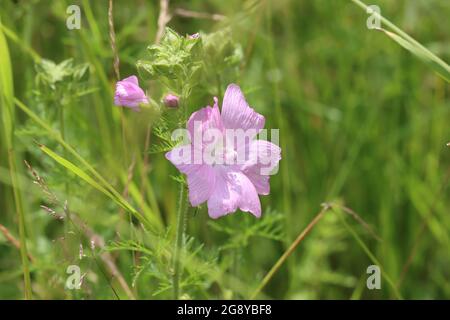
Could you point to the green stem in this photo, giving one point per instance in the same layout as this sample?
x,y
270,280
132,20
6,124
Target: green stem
x,y
219,84
21,217
182,208
63,135
7,126
181,223
61,122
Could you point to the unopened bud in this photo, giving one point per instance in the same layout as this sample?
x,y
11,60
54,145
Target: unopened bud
x,y
194,36
171,101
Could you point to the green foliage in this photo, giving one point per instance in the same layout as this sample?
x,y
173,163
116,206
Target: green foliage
x,y
60,83
271,227
221,51
155,266
407,42
175,58
360,118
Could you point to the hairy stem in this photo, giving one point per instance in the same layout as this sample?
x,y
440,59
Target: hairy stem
x,y
181,223
182,208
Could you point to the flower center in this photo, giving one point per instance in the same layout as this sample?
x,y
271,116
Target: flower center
x,y
222,155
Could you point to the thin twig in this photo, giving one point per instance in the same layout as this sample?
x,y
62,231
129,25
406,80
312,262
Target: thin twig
x,y
198,15
129,177
146,164
112,37
13,240
358,218
163,19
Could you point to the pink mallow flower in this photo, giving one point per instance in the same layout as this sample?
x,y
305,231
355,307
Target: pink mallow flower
x,y
239,172
129,94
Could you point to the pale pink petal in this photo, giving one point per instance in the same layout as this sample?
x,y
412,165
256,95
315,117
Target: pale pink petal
x,y
237,114
207,118
262,157
200,177
132,79
261,182
181,157
129,94
201,182
203,124
232,190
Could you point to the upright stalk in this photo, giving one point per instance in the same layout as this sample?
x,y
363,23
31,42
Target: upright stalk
x,y
181,222
7,116
21,218
182,207
63,136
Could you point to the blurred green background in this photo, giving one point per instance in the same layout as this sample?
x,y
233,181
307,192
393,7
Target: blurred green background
x,y
362,122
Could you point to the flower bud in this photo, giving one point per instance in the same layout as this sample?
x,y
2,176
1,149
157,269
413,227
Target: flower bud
x,y
171,101
129,94
194,36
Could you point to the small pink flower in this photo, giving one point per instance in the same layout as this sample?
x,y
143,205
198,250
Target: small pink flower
x,y
194,36
171,101
129,94
225,184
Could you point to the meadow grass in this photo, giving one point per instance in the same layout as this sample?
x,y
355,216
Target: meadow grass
x,y
363,118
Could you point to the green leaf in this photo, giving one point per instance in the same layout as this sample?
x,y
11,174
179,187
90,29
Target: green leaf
x,y
77,171
440,67
413,46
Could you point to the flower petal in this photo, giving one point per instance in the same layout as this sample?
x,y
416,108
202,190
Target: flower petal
x,y
206,130
261,182
237,114
129,94
132,79
181,157
201,182
204,119
200,177
232,190
261,158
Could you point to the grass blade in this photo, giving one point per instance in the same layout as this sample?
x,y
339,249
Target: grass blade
x,y
412,45
105,185
83,175
7,114
74,169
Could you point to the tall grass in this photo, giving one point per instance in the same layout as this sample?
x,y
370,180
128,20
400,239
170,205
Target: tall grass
x,y
362,122
8,124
